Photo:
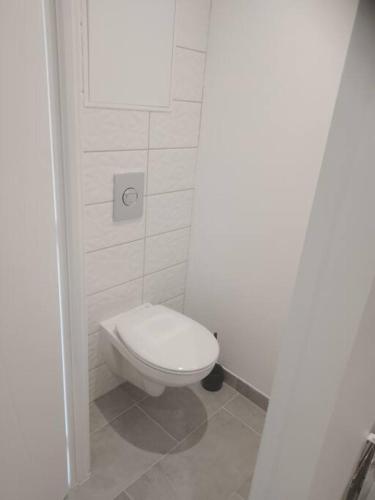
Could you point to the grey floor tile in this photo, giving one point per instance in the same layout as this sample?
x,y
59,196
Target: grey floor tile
x,y
154,485
121,452
244,490
106,408
213,401
181,410
236,496
122,496
210,464
248,412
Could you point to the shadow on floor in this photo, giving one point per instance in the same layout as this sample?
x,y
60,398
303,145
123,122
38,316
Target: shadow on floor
x,y
176,412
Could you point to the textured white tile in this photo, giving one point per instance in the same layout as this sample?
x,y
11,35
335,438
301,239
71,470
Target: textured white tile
x,y
95,356
164,285
177,303
104,305
113,266
107,129
171,170
99,169
166,250
102,380
178,128
166,212
188,75
102,231
192,23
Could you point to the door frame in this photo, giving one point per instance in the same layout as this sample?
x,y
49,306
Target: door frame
x,y
63,72
64,20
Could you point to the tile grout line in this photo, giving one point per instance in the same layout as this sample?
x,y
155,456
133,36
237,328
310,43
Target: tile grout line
x,y
186,437
188,100
138,239
147,195
148,469
230,399
145,207
156,423
197,155
114,286
125,488
165,269
128,494
121,413
115,245
113,419
138,278
206,420
124,150
242,421
200,51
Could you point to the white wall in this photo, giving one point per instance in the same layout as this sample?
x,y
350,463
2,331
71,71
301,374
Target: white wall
x,y
353,416
143,260
272,78
322,403
33,448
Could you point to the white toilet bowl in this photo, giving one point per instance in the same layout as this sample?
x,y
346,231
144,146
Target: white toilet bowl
x,y
155,347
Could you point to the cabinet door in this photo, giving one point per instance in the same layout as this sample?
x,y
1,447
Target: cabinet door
x,y
128,53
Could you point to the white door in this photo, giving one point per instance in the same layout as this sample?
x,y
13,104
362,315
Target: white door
x,y
33,450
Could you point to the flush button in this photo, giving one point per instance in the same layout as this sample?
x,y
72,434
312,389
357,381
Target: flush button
x,y
128,196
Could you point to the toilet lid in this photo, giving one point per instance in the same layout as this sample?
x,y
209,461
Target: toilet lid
x,y
167,339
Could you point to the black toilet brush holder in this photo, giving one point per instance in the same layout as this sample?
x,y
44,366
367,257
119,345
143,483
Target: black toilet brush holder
x,y
215,379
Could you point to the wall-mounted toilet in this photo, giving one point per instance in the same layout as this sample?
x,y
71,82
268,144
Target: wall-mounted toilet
x,y
154,347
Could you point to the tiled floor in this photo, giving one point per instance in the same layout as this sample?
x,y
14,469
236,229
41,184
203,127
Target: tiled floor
x,y
188,444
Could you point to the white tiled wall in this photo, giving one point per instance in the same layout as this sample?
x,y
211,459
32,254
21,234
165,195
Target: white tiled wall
x,y
128,263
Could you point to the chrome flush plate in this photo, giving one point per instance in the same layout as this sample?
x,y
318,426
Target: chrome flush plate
x,y
128,196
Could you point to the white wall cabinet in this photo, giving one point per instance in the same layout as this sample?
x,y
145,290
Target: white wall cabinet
x,y
128,53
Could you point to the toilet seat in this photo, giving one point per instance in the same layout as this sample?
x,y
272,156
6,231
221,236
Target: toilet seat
x,y
167,340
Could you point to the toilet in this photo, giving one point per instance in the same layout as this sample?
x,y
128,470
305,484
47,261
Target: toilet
x,y
155,347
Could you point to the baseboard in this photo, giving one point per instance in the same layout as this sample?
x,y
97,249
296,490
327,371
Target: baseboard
x,y
246,389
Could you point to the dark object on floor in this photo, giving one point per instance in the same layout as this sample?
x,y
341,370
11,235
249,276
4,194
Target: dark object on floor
x,y
359,476
214,380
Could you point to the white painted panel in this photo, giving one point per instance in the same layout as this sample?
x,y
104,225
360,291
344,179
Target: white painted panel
x,y
32,427
324,384
273,71
130,52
